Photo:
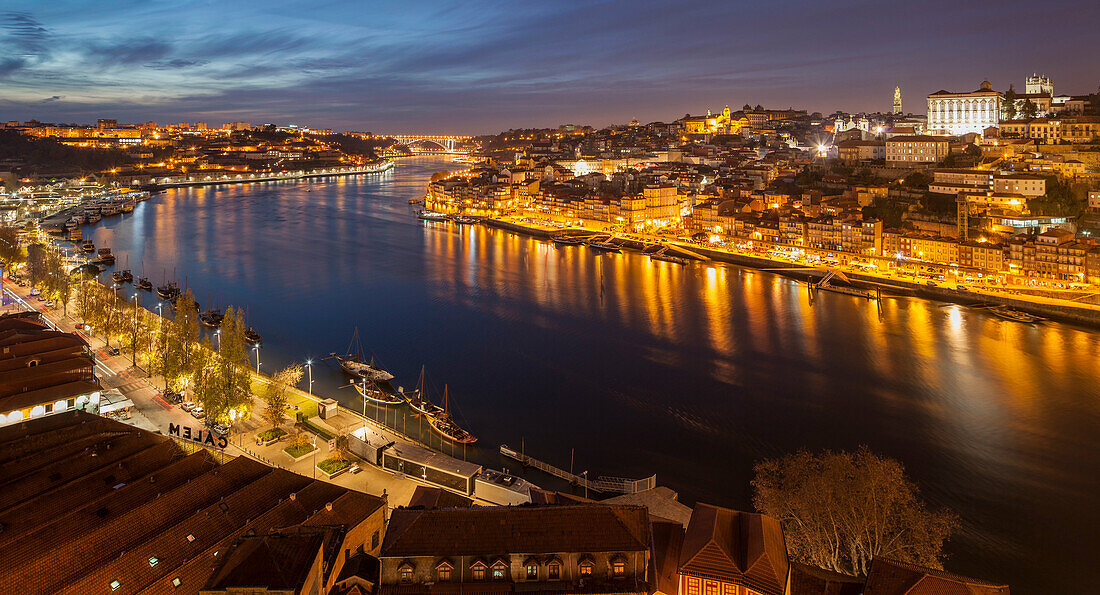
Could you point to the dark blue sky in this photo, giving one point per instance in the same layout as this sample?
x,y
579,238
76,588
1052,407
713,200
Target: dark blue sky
x,y
477,67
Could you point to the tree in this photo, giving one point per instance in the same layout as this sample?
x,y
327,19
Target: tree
x,y
1029,109
439,175
231,369
11,253
275,393
839,510
37,267
1010,103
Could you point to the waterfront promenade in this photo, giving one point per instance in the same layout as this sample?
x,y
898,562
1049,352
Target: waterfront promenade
x,y
200,179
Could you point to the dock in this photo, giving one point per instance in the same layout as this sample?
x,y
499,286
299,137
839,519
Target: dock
x,y
602,484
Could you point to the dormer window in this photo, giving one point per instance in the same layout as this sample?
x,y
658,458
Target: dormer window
x,y
443,571
499,570
478,569
553,570
405,572
586,566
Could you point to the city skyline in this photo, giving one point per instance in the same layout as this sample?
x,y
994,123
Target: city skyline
x,y
456,68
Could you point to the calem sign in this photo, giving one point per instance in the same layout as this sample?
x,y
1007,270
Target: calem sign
x,y
205,438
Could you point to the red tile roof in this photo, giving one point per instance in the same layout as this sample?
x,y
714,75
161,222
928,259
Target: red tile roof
x,y
890,577
736,547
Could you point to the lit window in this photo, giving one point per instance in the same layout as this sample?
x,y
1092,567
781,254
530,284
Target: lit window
x,y
532,572
406,575
498,572
479,574
153,561
586,569
444,574
618,568
554,570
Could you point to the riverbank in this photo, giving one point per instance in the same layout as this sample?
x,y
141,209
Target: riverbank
x,y
214,180
890,284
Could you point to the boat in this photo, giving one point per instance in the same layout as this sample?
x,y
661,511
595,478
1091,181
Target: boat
x,y
144,284
445,426
92,218
418,399
123,276
252,337
106,258
87,246
432,216
373,393
212,318
104,252
465,220
416,201
169,291
353,363
603,246
75,234
567,240
669,258
1015,315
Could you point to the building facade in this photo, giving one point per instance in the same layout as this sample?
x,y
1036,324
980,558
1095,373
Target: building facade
x,y
961,113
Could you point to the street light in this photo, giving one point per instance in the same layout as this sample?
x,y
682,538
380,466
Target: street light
x,y
309,366
218,339
256,348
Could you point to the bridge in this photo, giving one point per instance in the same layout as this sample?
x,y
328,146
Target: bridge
x,y
447,141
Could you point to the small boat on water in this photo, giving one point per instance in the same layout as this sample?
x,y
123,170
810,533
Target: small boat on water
x,y
104,252
212,318
603,246
87,246
418,399
373,393
669,258
144,284
432,216
75,234
567,240
465,220
123,276
444,425
353,363
105,256
92,218
252,337
169,291
1015,315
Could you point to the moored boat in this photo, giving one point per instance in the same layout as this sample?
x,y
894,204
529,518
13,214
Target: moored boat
x,y
669,258
87,246
169,291
443,424
212,318
603,246
373,393
432,216
567,240
123,276
1015,315
252,337
354,364
418,399
144,284
465,220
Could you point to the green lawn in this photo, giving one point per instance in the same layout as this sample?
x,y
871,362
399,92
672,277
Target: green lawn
x,y
272,434
331,466
298,451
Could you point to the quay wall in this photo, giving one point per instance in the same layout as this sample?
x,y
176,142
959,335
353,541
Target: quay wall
x,y
180,181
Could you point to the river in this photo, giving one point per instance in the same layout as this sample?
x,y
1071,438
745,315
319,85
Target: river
x,y
641,367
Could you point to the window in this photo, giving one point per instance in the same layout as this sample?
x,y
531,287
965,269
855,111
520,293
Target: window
x,y
618,568
176,582
406,574
444,574
554,571
532,572
586,568
153,561
498,571
479,571
115,585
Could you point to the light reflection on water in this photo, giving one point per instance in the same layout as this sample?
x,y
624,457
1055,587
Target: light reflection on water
x,y
651,367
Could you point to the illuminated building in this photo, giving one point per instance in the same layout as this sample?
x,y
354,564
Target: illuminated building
x,y
897,101
961,113
727,552
916,150
723,123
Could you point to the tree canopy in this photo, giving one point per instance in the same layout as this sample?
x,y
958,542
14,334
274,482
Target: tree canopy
x,y
839,510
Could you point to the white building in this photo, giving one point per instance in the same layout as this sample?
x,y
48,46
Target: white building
x,y
961,113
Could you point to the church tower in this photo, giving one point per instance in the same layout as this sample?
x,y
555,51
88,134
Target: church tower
x,y
897,100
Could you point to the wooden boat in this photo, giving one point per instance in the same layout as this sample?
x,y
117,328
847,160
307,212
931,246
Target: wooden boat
x,y
123,276
603,246
144,284
669,258
1015,315
567,240
252,337
465,220
373,393
212,318
87,246
353,363
169,291
418,399
444,425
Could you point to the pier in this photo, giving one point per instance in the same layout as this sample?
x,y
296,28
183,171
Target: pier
x,y
602,484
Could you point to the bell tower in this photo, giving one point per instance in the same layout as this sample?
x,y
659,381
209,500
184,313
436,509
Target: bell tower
x,y
897,100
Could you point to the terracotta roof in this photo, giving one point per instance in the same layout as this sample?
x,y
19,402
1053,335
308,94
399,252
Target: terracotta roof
x,y
502,530
811,580
668,539
737,547
890,577
278,561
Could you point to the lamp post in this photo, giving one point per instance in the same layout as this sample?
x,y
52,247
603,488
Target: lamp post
x,y
218,339
256,348
309,367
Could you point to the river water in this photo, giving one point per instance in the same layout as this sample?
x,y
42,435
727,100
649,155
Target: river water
x,y
636,367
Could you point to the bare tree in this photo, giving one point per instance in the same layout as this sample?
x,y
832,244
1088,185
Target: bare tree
x,y
839,510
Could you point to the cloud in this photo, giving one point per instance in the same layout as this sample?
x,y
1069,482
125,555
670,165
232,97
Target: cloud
x,y
23,32
51,99
175,64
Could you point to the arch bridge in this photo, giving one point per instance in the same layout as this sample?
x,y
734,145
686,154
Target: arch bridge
x,y
447,141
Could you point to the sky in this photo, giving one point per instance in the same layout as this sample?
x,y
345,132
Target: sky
x,y
477,67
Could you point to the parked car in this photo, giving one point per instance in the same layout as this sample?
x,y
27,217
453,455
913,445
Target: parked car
x,y
198,413
217,429
961,288
113,351
931,284
188,405
36,291
172,396
78,325
50,304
